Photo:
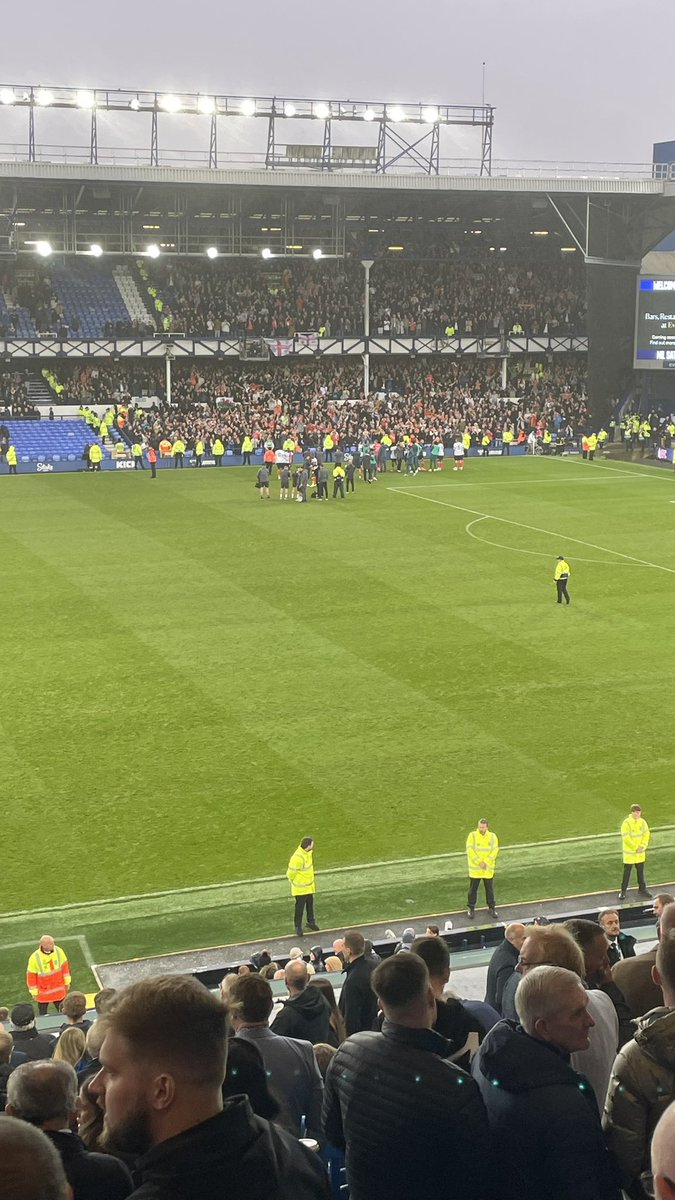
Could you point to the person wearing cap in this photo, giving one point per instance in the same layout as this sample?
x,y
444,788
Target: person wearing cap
x,y
634,841
25,1036
561,576
48,975
482,848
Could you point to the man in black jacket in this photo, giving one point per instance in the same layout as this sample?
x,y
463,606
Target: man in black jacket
x,y
26,1037
597,972
163,1061
357,999
412,1124
306,1014
544,1123
45,1095
503,963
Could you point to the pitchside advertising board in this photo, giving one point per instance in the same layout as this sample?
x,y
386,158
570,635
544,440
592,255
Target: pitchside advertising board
x,y
655,323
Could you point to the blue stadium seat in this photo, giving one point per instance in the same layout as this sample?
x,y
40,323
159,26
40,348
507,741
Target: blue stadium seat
x,y
51,441
88,292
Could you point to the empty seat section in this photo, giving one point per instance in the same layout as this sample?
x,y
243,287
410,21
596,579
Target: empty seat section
x,y
51,439
90,298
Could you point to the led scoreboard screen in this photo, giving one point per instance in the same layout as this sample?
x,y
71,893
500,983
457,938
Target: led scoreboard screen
x,y
655,323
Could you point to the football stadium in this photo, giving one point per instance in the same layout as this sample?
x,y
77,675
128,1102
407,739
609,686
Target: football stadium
x,y
336,512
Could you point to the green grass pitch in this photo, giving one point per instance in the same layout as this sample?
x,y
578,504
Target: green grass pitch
x,y
194,678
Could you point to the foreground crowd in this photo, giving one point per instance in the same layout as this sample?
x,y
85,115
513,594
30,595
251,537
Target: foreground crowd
x,y
560,1084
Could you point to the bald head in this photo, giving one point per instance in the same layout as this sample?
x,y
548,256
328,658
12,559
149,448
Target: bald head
x,y
30,1166
515,933
296,976
667,919
663,1156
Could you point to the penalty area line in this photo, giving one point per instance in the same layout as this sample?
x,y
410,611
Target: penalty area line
x,y
475,512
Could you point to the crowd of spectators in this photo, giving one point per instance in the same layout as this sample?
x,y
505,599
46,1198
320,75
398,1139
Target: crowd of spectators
x,y
554,1086
429,400
14,401
471,294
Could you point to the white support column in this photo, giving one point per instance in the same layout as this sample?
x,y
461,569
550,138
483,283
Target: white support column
x,y
366,263
167,361
505,363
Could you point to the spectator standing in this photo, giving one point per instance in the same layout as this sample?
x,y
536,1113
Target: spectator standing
x,y
544,1125
293,1075
643,1080
26,1037
306,1014
45,1095
621,945
503,963
163,1065
48,975
597,971
30,1168
459,1027
411,1123
357,999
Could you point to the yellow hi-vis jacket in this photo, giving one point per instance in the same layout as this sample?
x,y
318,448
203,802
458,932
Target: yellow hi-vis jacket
x,y
482,847
95,453
300,873
634,833
48,976
562,570
11,456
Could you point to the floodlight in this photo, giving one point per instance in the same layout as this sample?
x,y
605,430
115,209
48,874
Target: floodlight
x,y
170,104
206,105
396,113
266,252
430,114
212,252
318,253
7,96
369,114
152,250
322,111
43,249
248,108
135,104
44,98
289,110
86,99
96,250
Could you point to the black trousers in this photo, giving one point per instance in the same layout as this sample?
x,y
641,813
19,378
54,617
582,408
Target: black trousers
x,y
302,904
489,892
153,468
639,871
350,484
139,464
44,1008
178,460
338,488
247,458
322,490
561,589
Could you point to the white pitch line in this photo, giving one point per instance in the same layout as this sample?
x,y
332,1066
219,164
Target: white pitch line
x,y
384,862
535,553
505,482
535,529
654,473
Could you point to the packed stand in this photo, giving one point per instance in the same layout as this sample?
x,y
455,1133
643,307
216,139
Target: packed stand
x,y
470,295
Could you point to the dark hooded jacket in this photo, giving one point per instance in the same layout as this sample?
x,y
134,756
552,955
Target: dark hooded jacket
x,y
232,1154
640,1090
305,1016
544,1123
92,1176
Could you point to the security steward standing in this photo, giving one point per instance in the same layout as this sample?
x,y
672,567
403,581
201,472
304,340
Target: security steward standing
x,y
482,848
152,459
635,836
48,975
338,481
137,455
561,576
300,875
10,455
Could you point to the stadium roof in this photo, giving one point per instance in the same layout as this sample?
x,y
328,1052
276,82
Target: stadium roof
x,y
605,184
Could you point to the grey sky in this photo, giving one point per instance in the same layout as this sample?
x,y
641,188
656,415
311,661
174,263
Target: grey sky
x,y
583,80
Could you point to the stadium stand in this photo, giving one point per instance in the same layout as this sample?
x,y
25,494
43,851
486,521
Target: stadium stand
x,y
90,296
51,441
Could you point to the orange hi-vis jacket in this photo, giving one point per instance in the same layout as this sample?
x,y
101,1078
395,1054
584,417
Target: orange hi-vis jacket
x,y
48,976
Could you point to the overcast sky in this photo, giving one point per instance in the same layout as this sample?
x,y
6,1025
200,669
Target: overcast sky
x,y
579,80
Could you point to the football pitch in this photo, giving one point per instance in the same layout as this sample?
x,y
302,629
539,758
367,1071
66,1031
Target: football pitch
x,y
195,678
